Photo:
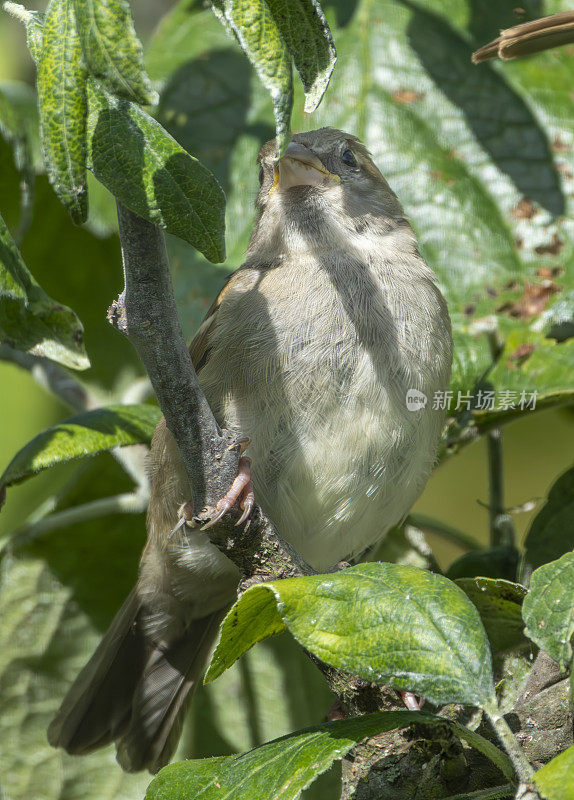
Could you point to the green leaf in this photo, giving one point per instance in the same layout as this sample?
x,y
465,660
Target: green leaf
x,y
499,604
494,562
543,370
63,107
29,319
19,125
254,26
45,638
435,645
284,767
552,531
111,48
306,33
548,609
145,168
555,780
85,434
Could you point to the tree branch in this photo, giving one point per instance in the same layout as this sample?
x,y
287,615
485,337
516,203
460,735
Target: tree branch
x,y
146,313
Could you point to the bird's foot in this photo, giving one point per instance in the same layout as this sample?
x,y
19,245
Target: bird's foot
x,y
241,491
412,701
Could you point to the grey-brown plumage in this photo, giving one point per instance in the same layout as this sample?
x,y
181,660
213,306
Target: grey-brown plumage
x,y
309,350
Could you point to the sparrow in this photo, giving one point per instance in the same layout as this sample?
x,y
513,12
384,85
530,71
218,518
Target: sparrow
x,y
310,353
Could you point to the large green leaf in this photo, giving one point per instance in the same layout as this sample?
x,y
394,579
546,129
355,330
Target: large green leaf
x,y
552,531
493,562
548,609
63,107
283,768
256,30
187,30
111,48
29,319
86,434
145,168
555,780
386,623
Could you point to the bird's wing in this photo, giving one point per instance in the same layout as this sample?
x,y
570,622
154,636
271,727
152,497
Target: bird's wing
x,y
244,278
200,344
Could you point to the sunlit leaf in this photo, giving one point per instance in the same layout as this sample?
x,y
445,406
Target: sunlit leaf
x,y
63,107
111,48
499,604
256,30
306,33
548,609
86,434
145,168
555,780
386,623
29,319
284,767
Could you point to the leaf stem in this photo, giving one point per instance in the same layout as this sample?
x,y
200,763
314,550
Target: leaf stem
x,y
52,378
18,11
447,532
502,532
523,769
495,484
129,503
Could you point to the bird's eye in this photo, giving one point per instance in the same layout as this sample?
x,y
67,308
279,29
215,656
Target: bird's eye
x,y
349,159
261,175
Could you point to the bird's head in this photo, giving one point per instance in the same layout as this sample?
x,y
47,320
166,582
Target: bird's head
x,y
326,183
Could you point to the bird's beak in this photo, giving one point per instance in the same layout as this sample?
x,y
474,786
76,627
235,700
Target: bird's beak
x,y
300,167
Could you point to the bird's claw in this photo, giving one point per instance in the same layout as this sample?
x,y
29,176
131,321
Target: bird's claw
x,y
185,517
412,701
243,443
241,490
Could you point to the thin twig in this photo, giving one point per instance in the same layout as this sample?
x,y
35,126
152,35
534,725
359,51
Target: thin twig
x,y
129,503
52,377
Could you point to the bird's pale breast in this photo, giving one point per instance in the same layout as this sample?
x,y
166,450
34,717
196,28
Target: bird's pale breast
x,y
338,458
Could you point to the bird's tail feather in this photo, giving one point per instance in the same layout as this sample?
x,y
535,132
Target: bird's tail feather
x,y
133,692
97,705
162,697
